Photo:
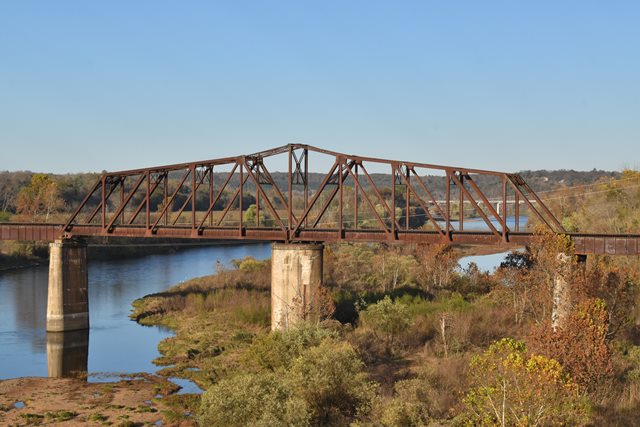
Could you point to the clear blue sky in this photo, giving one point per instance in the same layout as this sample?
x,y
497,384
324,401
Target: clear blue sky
x,y
509,85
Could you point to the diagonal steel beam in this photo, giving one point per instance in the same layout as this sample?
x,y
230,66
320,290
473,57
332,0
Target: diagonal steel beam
x,y
95,187
433,199
120,209
380,198
191,196
266,199
143,202
232,200
421,203
458,184
315,197
335,190
214,201
366,197
169,203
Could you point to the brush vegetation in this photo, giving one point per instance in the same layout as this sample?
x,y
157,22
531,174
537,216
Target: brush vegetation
x,y
414,341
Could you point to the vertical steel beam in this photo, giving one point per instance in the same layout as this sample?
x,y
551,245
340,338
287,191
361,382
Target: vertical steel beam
x,y
257,204
407,201
306,183
122,199
341,207
147,200
461,201
448,204
103,203
355,197
241,195
504,208
393,201
166,195
517,211
193,196
210,192
290,190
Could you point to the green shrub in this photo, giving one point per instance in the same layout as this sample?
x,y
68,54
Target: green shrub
x,y
409,405
307,378
261,399
280,348
250,264
387,319
330,378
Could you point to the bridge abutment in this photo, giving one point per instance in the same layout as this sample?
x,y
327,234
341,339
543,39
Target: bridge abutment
x,y
296,281
67,301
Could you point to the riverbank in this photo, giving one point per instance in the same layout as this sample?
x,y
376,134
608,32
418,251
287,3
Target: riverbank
x,y
116,344
213,318
140,399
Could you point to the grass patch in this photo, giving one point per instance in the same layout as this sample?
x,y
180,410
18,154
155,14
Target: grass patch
x,y
32,418
60,416
213,323
97,418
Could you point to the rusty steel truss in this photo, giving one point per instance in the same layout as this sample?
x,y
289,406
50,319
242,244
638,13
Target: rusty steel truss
x,y
241,198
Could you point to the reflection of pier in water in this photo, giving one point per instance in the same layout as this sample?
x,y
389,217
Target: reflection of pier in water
x,y
67,354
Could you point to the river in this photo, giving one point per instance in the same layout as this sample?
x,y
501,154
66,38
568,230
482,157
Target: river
x,y
115,343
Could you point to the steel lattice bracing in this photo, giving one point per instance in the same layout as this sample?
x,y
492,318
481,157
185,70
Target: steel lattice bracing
x,y
241,198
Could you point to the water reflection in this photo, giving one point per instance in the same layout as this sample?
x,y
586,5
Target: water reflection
x,y
68,354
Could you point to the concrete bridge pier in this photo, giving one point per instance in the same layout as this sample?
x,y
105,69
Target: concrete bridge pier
x,y
562,294
68,302
296,281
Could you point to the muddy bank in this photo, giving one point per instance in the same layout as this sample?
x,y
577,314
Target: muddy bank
x,y
136,400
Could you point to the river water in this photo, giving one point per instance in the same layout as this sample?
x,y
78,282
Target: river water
x,y
115,344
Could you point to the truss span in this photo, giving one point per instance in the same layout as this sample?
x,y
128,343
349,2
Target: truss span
x,y
353,198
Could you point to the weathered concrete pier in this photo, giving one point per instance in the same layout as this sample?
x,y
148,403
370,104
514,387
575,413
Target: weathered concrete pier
x,y
68,299
296,280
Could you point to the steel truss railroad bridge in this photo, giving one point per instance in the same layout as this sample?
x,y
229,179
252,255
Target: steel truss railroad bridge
x,y
238,198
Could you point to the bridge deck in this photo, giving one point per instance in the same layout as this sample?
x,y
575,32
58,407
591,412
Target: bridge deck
x,y
600,244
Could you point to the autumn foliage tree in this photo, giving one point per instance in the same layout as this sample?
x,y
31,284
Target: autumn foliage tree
x,y
579,344
436,264
512,387
40,199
